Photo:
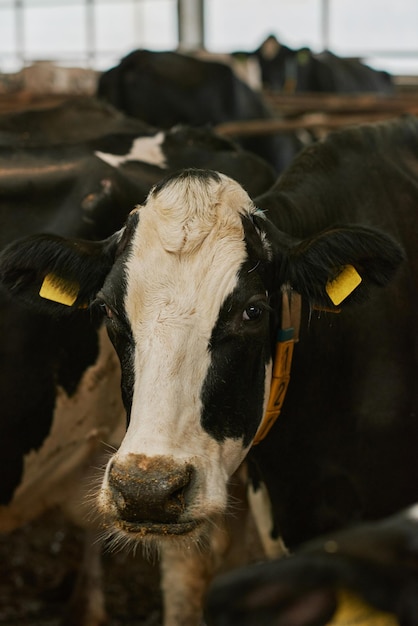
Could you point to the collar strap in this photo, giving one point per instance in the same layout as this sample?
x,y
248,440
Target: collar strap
x,y
287,336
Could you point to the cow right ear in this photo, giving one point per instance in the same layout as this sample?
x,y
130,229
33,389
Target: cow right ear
x,y
56,275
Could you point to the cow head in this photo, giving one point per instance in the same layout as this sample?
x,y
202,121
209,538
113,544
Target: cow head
x,y
189,290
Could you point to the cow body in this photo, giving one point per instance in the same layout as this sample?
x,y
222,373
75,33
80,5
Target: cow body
x,y
168,88
288,70
351,432
73,120
193,291
366,574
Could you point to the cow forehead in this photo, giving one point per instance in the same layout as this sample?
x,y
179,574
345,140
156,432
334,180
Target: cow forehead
x,y
187,249
192,205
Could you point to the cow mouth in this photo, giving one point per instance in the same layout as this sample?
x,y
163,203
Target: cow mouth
x,y
157,528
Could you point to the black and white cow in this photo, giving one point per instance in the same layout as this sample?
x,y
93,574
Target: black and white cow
x,y
70,120
289,70
363,575
168,88
60,386
195,289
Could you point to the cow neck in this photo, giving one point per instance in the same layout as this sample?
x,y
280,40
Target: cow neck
x,y
287,335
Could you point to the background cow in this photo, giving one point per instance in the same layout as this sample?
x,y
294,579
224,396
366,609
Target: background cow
x,y
366,574
194,290
60,172
168,88
288,70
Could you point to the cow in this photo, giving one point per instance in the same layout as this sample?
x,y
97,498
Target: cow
x,y
204,292
68,119
364,574
288,70
85,154
59,390
168,88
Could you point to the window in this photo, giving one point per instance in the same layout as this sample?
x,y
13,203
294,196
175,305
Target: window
x,y
85,33
97,33
121,27
244,24
382,32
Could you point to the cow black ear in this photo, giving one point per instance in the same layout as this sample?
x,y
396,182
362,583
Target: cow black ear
x,y
56,275
339,265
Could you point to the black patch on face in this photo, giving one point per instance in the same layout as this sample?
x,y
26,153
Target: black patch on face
x,y
240,347
202,175
112,301
128,231
120,335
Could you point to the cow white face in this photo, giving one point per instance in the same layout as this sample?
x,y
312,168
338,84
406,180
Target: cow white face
x,y
188,314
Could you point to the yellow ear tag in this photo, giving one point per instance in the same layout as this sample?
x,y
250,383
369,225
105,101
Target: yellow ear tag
x,y
353,611
345,283
59,290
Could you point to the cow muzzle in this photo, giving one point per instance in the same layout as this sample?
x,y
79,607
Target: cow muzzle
x,y
149,495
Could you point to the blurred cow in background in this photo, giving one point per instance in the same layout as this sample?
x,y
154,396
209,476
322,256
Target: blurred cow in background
x,y
168,88
284,69
367,574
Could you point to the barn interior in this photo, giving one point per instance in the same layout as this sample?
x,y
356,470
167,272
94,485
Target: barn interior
x,y
56,53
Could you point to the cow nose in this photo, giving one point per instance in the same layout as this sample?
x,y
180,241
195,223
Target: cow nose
x,y
145,489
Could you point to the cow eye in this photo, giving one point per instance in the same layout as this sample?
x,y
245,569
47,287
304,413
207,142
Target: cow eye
x,y
252,313
106,310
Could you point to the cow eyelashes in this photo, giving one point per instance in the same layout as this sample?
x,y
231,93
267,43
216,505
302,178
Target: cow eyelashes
x,y
105,309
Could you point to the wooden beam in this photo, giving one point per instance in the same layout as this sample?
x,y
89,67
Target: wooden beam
x,y
296,104
322,112
315,122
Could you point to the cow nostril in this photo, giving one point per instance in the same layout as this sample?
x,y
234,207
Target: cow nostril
x,y
176,501
118,499
151,491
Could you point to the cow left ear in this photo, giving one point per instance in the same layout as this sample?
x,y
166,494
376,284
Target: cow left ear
x,y
54,275
339,265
